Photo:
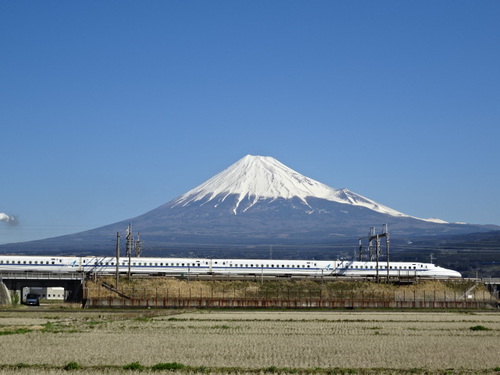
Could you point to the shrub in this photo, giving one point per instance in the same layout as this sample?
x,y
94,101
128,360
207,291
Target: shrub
x,y
479,328
272,369
15,331
72,366
135,366
168,366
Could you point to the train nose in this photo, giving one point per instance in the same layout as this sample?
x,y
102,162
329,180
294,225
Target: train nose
x,y
455,274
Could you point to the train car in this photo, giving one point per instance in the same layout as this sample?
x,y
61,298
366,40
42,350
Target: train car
x,y
203,266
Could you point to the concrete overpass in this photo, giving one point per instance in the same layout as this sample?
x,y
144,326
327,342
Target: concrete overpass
x,y
14,282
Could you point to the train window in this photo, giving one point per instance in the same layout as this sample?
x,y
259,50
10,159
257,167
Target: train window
x,y
53,262
215,262
251,265
177,264
308,266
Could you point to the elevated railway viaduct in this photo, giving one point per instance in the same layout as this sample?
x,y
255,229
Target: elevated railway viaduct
x,y
12,283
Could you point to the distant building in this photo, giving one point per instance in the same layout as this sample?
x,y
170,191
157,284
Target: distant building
x,y
49,293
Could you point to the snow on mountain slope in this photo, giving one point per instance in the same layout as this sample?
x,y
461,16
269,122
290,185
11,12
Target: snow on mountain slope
x,y
263,177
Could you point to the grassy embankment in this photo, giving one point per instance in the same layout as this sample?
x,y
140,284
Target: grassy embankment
x,y
164,287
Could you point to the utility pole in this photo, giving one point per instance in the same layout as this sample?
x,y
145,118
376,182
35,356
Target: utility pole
x,y
370,242
130,240
117,259
376,237
138,246
385,232
377,254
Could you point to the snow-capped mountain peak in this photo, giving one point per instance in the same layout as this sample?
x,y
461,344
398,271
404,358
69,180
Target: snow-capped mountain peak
x,y
263,177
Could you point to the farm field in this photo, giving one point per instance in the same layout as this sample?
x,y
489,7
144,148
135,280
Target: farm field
x,y
115,342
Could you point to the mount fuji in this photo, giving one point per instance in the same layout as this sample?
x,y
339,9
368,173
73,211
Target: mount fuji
x,y
257,201
258,179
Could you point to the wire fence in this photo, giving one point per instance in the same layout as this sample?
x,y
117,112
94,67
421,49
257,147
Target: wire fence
x,y
253,296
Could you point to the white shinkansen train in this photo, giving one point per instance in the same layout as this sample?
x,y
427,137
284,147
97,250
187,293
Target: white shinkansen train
x,y
202,266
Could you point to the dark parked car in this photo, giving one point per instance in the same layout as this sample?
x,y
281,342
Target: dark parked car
x,y
32,299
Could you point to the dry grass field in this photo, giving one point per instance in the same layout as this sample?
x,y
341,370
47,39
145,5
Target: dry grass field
x,y
37,341
163,287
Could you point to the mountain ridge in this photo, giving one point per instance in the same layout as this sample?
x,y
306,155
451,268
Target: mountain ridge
x,y
256,201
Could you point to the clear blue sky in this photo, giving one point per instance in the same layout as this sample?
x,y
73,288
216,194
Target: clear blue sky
x,y
109,109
